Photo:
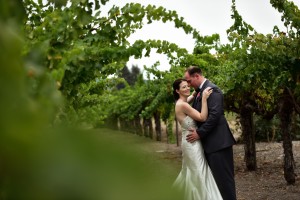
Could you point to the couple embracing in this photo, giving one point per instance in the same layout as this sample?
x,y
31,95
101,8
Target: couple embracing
x,y
207,156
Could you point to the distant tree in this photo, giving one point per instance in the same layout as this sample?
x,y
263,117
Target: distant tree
x,y
125,73
135,73
130,76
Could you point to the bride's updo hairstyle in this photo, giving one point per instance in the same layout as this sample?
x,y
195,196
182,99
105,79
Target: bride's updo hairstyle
x,y
176,86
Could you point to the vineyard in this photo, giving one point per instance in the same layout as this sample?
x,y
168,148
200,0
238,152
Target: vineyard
x,y
63,71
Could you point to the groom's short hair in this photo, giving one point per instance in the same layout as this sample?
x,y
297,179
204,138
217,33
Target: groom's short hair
x,y
194,70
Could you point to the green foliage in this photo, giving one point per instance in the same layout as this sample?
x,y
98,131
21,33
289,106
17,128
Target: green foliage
x,y
267,130
171,136
60,65
78,46
129,102
130,77
83,50
258,66
290,14
40,161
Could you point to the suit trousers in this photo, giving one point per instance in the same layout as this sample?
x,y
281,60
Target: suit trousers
x,y
221,165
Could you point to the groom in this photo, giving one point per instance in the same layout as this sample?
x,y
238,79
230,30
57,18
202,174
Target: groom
x,y
214,133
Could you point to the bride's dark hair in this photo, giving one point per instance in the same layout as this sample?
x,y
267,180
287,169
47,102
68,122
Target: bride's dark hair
x,y
176,86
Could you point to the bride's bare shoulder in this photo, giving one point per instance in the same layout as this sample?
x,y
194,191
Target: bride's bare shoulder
x,y
182,104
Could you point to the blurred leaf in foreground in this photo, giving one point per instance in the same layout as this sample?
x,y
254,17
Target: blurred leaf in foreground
x,y
38,161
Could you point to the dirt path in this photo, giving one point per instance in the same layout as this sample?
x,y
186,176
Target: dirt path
x,y
267,183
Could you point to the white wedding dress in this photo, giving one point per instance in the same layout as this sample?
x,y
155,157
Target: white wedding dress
x,y
195,179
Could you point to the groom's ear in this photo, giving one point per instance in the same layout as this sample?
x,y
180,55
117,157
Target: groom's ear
x,y
197,75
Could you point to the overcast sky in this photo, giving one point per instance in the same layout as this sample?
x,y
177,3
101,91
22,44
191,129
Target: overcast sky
x,y
207,16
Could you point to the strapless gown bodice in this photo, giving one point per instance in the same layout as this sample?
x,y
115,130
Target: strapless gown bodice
x,y
195,178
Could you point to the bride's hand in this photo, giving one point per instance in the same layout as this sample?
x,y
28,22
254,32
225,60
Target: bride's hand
x,y
194,93
207,92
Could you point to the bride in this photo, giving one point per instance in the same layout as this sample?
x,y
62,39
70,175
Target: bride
x,y
195,178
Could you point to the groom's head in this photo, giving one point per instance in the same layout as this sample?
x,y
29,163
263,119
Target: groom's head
x,y
193,76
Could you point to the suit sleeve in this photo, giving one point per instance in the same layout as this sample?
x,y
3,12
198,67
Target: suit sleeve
x,y
215,111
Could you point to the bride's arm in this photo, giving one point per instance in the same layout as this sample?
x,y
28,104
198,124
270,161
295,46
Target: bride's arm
x,y
191,97
195,114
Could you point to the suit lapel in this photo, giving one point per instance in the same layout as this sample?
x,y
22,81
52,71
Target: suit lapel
x,y
194,105
204,85
198,104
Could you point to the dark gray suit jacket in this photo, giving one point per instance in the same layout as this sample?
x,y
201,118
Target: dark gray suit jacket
x,y
214,132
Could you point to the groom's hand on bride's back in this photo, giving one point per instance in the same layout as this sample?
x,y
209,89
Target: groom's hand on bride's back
x,y
192,136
